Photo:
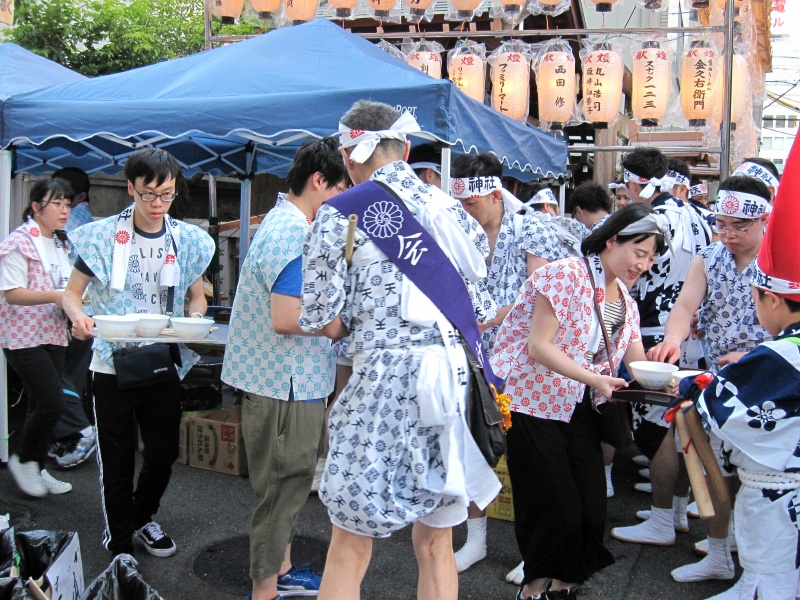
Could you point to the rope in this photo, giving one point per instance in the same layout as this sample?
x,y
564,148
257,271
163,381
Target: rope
x,y
769,481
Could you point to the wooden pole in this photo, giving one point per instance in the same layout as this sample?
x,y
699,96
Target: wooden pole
x,y
352,223
695,468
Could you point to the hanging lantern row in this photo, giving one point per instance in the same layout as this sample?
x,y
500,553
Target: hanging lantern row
x,y
295,11
554,65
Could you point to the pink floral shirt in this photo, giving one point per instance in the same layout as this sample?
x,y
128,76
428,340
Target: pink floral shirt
x,y
30,326
534,389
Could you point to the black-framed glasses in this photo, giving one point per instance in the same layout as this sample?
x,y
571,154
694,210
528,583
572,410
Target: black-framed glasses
x,y
150,196
732,229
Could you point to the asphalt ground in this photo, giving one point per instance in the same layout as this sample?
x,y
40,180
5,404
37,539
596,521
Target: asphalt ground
x,y
208,515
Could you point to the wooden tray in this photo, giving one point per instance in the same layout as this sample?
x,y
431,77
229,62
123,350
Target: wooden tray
x,y
636,393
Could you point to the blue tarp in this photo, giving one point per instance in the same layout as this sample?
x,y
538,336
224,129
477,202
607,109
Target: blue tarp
x,y
244,108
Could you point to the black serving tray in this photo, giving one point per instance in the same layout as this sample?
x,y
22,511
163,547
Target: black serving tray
x,y
636,393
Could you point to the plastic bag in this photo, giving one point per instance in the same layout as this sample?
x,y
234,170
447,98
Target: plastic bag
x,y
32,553
120,581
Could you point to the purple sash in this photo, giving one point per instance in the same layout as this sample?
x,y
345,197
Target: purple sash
x,y
383,216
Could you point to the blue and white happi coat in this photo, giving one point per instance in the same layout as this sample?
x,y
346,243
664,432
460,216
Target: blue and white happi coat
x,y
657,290
94,243
554,238
508,266
385,469
754,407
258,360
728,314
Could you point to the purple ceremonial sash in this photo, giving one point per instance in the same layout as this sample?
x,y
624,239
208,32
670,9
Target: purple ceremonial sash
x,y
395,231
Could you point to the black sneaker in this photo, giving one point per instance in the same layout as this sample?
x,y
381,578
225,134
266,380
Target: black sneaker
x,y
155,541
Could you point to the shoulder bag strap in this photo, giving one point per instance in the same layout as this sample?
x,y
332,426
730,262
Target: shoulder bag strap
x,y
600,318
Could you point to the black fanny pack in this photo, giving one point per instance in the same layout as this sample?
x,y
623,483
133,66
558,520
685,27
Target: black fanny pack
x,y
144,366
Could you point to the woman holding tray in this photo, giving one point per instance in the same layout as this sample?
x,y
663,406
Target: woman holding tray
x,y
34,269
552,351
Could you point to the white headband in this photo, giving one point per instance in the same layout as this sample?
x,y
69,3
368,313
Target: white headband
x,y
545,196
652,223
616,186
678,179
474,187
427,165
740,205
698,190
365,142
774,284
462,188
650,184
757,172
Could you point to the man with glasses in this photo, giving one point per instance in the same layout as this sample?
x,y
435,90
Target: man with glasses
x,y
718,283
140,261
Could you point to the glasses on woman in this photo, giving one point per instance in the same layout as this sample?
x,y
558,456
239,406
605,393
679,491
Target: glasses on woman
x,y
149,196
60,205
732,229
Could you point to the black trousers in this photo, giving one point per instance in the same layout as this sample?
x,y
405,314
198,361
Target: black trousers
x,y
158,412
559,491
40,369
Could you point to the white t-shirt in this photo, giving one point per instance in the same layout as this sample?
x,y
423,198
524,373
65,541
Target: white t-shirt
x,y
14,267
148,252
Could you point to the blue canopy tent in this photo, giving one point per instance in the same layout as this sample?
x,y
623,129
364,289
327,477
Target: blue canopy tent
x,y
20,71
243,108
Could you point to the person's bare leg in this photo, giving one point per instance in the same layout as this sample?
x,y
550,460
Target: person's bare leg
x,y
267,588
348,558
433,547
664,472
608,461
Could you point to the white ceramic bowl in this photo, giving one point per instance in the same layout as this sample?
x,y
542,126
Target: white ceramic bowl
x,y
115,326
678,375
151,325
653,375
192,328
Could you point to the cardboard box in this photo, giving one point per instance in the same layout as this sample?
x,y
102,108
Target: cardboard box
x,y
215,441
503,506
63,580
183,440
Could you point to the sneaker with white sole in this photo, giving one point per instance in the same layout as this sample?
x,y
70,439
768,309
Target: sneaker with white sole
x,y
299,581
53,485
154,540
28,476
71,454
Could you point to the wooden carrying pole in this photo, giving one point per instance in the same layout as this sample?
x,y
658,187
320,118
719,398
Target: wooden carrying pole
x,y
352,223
694,467
719,488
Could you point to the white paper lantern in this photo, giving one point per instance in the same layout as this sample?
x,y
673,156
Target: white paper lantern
x,y
651,78
265,8
382,8
555,85
604,5
602,85
697,78
468,73
511,84
301,11
343,9
740,93
228,10
429,63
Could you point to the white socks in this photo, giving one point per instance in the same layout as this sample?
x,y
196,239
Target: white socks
x,y
609,484
717,565
517,574
680,520
475,548
658,530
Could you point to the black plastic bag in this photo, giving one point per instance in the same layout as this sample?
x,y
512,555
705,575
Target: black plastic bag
x,y
13,588
120,581
32,552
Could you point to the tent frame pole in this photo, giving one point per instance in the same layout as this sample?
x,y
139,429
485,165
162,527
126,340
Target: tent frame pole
x,y
5,229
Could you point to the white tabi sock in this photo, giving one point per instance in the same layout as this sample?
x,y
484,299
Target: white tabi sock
x,y
717,565
658,530
680,505
609,484
475,547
